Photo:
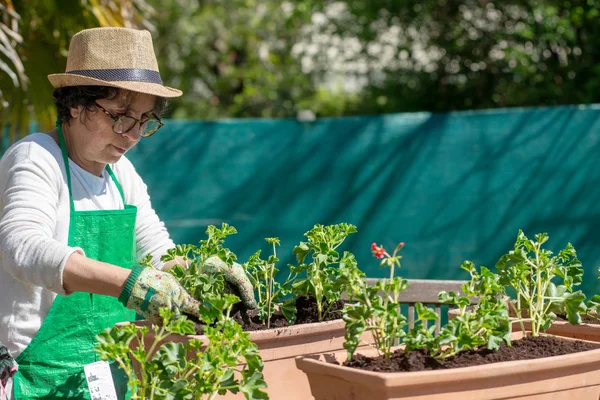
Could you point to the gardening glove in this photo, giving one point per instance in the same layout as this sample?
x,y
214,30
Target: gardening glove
x,y
235,277
8,368
148,289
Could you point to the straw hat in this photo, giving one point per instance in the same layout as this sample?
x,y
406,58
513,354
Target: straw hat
x,y
118,57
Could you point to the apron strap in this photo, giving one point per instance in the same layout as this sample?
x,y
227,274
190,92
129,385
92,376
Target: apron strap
x,y
114,178
63,149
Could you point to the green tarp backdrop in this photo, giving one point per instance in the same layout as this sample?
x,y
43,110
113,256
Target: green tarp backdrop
x,y
452,186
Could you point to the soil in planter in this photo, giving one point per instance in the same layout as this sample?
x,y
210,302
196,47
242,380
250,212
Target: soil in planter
x,y
307,313
419,360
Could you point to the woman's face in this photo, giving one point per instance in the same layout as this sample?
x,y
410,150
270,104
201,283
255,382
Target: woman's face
x,y
91,141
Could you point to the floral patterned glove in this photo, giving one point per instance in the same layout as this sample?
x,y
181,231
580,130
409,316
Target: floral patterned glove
x,y
148,289
235,276
8,367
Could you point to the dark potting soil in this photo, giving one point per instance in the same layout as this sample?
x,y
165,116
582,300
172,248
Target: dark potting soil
x,y
307,313
419,360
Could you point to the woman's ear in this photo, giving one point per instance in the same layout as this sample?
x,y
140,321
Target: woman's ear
x,y
76,111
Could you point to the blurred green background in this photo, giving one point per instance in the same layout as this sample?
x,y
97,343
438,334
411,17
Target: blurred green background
x,y
250,58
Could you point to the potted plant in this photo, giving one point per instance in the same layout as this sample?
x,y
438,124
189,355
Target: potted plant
x,y
278,333
561,300
545,284
475,355
223,360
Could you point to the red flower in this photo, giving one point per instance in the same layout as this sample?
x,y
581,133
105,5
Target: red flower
x,y
378,251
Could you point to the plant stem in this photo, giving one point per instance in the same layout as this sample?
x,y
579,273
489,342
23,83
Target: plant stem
x,y
539,295
190,371
518,313
318,291
270,289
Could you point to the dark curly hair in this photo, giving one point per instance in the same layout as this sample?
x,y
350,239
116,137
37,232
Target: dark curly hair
x,y
73,96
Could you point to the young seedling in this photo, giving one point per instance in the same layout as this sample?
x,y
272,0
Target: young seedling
x,y
532,271
324,279
191,259
270,293
376,308
484,324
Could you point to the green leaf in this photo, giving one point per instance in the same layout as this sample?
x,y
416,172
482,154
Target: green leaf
x,y
228,379
301,251
425,313
575,304
176,390
171,354
494,342
288,309
252,386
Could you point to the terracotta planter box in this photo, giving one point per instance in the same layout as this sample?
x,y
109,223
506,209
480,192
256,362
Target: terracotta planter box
x,y
573,376
279,348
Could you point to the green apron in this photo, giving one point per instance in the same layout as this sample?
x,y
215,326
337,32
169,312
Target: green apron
x,y
52,365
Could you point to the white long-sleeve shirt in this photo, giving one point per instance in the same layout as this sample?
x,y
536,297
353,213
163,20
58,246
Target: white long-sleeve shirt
x,y
34,228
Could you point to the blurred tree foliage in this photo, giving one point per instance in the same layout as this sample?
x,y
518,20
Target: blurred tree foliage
x,y
268,58
483,54
232,58
244,58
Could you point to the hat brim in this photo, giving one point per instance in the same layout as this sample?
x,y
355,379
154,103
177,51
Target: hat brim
x,y
63,80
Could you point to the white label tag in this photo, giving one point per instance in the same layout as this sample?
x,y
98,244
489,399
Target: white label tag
x,y
100,381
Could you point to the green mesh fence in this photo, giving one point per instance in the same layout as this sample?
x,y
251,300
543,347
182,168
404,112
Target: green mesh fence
x,y
452,186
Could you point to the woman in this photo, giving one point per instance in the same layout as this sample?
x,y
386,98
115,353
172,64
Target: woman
x,y
76,218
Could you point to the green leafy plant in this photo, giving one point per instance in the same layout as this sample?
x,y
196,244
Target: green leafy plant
x,y
484,324
324,280
327,276
190,259
543,283
532,272
421,336
211,246
376,308
229,361
271,295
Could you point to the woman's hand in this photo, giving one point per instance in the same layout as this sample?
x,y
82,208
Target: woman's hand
x,y
148,289
235,276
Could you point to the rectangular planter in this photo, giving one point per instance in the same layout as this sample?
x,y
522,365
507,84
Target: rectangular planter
x,y
572,376
279,348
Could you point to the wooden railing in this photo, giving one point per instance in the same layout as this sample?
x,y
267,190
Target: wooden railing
x,y
425,291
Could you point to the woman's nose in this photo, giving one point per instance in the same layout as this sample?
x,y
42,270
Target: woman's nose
x,y
135,133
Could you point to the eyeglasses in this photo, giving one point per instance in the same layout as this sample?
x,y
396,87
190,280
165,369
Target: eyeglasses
x,y
124,123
